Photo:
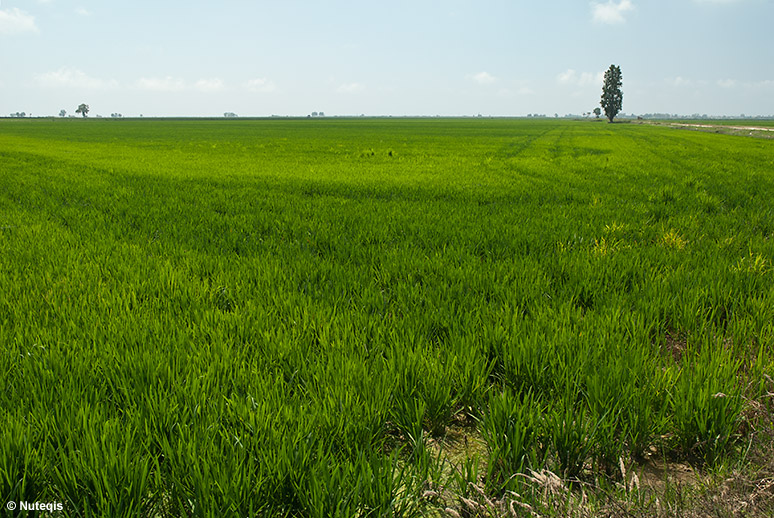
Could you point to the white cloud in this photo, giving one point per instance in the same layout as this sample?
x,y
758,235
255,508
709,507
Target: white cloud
x,y
573,78
727,83
483,78
679,81
209,85
567,77
16,21
611,12
166,84
734,83
260,85
82,12
350,88
67,77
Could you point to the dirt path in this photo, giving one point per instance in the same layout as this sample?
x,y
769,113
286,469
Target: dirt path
x,y
744,131
721,126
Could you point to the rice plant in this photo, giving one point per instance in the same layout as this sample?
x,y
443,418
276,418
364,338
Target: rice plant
x,y
276,318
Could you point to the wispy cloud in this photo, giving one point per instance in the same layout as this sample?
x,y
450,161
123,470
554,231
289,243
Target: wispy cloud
x,y
171,84
350,88
209,85
483,78
81,11
67,77
735,83
611,12
16,21
727,83
260,85
164,84
574,78
679,82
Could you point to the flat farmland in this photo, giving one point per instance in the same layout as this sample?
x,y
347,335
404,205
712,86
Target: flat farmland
x,y
374,317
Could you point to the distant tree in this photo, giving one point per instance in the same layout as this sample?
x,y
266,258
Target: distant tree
x,y
321,114
597,111
314,114
612,95
63,113
229,115
83,109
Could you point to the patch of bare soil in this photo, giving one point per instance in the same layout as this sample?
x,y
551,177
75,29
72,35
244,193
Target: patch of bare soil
x,y
658,473
656,485
675,344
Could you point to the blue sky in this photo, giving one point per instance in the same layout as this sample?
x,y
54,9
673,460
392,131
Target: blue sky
x,y
457,57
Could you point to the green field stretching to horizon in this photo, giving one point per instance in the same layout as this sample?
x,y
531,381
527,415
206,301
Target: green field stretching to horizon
x,y
375,317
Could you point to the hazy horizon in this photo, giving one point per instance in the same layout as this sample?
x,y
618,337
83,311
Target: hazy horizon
x,y
495,58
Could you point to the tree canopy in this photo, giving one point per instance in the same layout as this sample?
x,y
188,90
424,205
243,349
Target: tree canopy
x,y
612,95
83,109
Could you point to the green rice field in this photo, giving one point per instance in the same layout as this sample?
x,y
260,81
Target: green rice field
x,y
373,317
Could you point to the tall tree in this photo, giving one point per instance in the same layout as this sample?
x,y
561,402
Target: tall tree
x,y
612,95
83,109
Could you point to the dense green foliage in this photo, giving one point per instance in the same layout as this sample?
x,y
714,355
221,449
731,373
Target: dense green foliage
x,y
227,318
612,95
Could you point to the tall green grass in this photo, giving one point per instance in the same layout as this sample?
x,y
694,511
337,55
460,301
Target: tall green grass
x,y
280,318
